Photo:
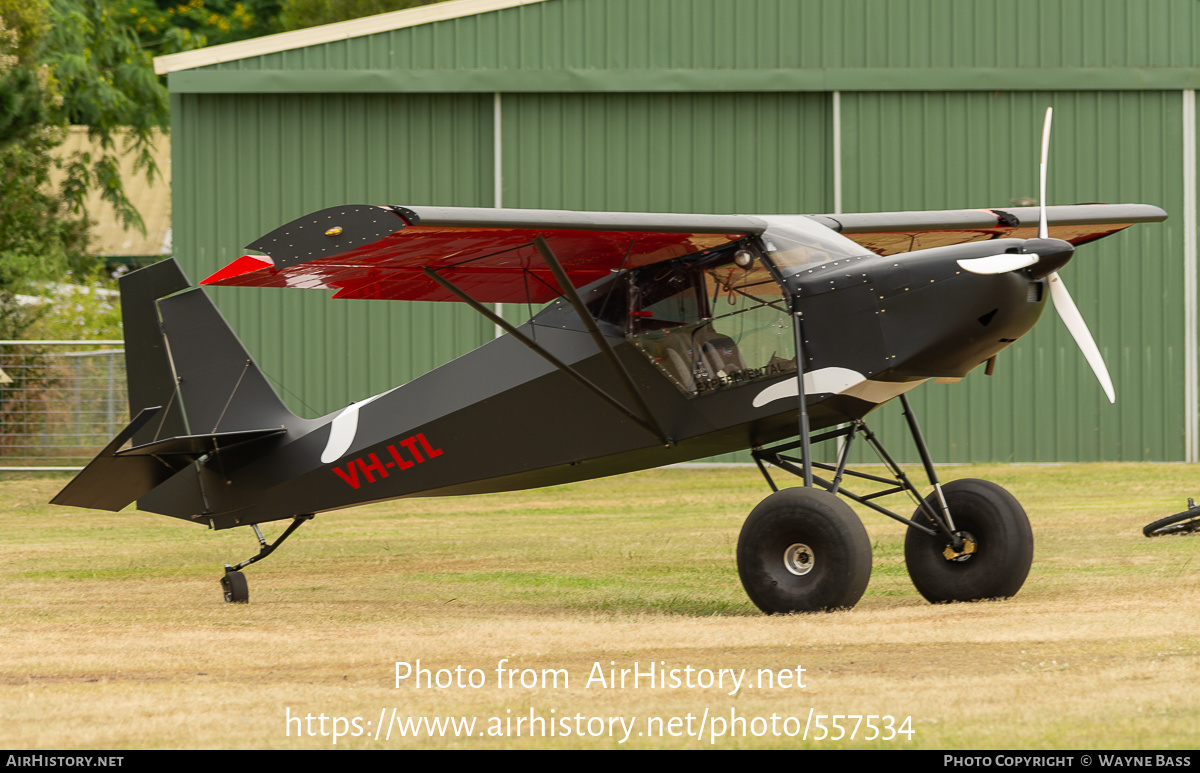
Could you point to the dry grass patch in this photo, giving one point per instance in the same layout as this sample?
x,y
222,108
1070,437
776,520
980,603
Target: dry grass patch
x,y
114,635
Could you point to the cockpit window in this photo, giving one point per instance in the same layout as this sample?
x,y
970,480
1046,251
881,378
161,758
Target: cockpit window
x,y
796,241
712,321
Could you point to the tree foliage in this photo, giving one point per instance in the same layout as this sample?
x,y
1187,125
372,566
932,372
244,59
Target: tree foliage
x,y
87,308
65,62
107,83
298,14
38,233
88,62
170,26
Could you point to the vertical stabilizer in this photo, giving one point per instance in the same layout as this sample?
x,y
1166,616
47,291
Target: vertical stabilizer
x,y
194,393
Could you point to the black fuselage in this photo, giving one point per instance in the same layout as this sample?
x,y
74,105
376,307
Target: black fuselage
x,y
501,417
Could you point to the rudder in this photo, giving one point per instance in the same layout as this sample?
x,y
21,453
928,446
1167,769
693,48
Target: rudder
x,y
147,364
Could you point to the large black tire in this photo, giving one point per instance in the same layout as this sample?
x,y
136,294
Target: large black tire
x,y
803,550
1003,545
1180,523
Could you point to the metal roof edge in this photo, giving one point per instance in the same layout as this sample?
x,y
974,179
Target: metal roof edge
x,y
328,33
573,79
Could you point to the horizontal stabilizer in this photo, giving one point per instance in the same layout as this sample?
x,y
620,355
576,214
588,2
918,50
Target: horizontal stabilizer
x,y
110,482
116,478
196,446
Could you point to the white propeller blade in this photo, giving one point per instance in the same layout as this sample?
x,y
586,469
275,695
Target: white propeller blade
x,y
1070,316
1068,312
998,264
1043,231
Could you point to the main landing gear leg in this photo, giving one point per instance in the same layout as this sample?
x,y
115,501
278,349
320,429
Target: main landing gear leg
x,y
804,550
233,582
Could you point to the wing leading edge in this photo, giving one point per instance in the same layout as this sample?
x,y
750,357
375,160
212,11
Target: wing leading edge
x,y
888,233
372,252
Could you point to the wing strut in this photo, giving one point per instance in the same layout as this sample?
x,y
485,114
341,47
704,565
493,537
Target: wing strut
x,y
602,343
537,349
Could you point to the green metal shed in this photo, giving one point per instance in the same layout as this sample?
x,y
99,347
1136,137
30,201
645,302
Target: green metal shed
x,y
722,106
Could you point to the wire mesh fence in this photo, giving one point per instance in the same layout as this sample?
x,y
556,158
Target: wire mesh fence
x,y
60,402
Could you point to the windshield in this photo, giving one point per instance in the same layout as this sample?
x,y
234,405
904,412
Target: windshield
x,y
795,241
713,321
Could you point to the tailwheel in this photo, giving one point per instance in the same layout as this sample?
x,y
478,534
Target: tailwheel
x,y
803,550
234,582
992,556
237,590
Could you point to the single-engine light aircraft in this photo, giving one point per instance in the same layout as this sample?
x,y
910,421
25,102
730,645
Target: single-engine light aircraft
x,y
666,338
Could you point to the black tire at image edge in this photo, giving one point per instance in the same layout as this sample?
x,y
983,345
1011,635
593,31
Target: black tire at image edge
x,y
1180,523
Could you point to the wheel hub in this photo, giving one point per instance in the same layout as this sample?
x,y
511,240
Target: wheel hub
x,y
798,559
969,545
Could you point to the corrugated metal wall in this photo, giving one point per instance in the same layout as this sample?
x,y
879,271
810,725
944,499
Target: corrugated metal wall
x,y
722,106
912,150
717,152
669,36
247,163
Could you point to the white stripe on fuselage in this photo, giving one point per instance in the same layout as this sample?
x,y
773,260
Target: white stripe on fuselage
x,y
342,430
836,381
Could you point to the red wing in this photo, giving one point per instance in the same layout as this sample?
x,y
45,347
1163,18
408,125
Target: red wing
x,y
382,252
888,233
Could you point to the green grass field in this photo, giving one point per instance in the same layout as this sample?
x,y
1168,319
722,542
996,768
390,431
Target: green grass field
x,y
113,632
